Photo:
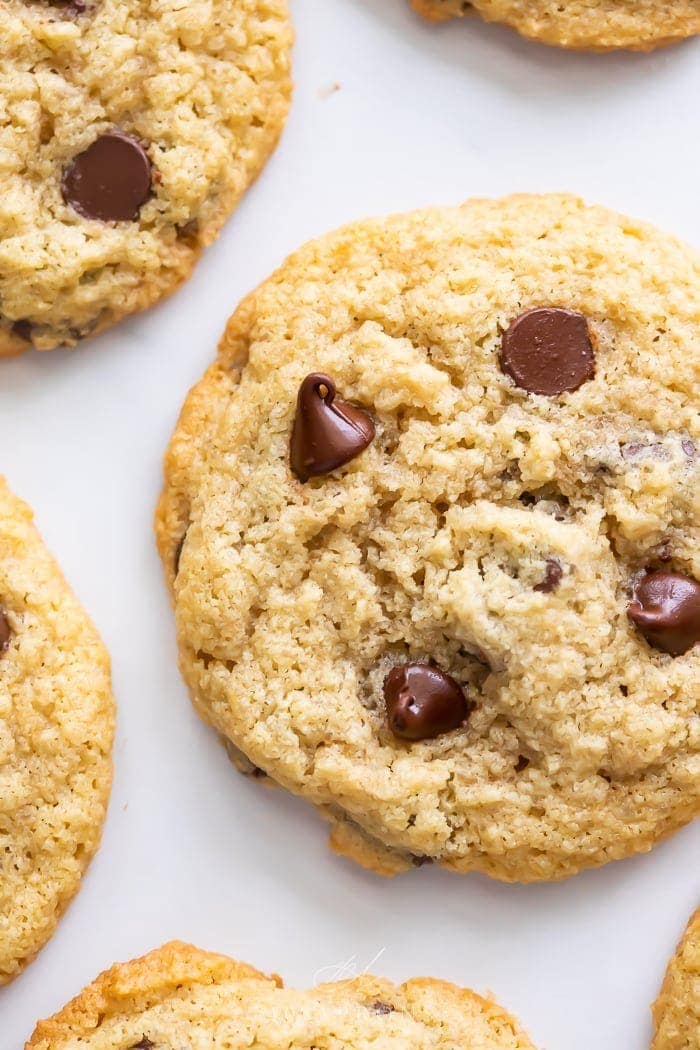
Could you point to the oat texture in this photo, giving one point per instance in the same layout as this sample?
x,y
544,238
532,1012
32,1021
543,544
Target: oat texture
x,y
179,997
56,725
294,600
595,25
204,85
677,1010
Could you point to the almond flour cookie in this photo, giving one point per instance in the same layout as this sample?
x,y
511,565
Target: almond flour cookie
x,y
591,25
56,726
129,129
430,523
179,997
677,1010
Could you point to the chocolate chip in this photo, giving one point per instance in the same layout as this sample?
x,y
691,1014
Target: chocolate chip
x,y
110,181
178,552
327,433
423,702
552,577
68,7
188,230
665,607
522,763
5,632
145,1044
382,1008
23,330
419,860
548,351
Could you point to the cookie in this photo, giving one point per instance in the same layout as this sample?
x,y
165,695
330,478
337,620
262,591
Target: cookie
x,y
56,727
590,25
677,1010
430,522
179,996
128,131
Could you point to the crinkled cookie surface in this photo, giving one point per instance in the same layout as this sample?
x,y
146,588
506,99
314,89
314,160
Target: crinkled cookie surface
x,y
179,996
596,25
201,92
498,533
56,727
677,1010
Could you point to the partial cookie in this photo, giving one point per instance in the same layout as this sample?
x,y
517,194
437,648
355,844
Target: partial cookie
x,y
56,727
590,25
179,996
677,1010
431,527
128,132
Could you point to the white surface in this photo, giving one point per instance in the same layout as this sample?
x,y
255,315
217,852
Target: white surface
x,y
191,850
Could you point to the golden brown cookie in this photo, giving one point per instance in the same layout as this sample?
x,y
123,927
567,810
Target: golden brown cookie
x,y
129,129
430,522
56,728
677,1010
179,996
590,25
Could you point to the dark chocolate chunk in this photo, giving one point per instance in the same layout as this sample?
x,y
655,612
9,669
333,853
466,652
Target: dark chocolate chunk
x,y
5,632
423,702
552,577
327,432
548,351
110,180
23,330
665,607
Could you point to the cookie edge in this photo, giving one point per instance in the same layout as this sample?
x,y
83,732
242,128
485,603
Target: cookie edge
x,y
120,988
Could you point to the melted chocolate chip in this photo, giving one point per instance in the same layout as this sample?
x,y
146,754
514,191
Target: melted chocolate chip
x,y
23,330
188,230
327,432
423,702
548,351
382,1008
552,577
144,1044
665,607
110,181
5,632
522,763
67,7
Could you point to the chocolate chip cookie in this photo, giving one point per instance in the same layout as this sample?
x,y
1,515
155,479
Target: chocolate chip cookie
x,y
677,1010
430,523
590,25
128,133
56,726
179,996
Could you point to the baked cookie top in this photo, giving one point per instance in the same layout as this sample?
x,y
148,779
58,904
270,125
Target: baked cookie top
x,y
458,614
56,726
592,25
178,996
677,1010
129,129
